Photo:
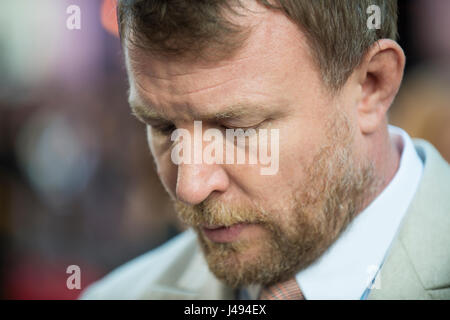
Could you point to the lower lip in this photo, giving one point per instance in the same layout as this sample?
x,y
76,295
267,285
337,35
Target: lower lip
x,y
224,234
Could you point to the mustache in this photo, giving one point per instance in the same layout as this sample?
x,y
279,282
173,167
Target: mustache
x,y
217,213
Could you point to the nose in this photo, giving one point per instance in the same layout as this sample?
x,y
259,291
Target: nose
x,y
195,182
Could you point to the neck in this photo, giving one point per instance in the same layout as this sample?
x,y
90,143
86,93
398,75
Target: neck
x,y
386,155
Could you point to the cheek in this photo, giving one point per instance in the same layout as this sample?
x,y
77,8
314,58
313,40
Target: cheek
x,y
298,145
300,141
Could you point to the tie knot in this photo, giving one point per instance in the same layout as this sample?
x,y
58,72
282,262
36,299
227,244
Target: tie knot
x,y
287,290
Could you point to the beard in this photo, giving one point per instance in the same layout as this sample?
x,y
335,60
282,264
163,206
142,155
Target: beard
x,y
334,189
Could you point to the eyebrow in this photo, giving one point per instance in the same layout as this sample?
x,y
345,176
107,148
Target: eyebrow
x,y
148,115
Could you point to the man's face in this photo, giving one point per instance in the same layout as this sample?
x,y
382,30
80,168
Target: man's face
x,y
256,228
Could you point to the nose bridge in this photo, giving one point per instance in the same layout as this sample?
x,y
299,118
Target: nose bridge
x,y
196,180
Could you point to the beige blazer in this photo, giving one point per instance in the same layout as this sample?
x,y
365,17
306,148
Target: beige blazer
x,y
417,265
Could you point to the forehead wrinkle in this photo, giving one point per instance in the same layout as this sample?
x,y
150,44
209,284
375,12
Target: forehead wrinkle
x,y
137,66
209,87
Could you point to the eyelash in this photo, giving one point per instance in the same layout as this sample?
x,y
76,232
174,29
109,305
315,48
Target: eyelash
x,y
256,126
168,129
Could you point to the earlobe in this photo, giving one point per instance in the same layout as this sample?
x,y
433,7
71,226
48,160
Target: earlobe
x,y
380,76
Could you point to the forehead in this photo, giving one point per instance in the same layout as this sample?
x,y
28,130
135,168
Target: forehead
x,y
275,52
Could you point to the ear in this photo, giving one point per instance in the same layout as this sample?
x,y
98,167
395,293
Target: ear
x,y
379,76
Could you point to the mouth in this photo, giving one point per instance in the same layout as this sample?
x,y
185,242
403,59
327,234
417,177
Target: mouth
x,y
223,234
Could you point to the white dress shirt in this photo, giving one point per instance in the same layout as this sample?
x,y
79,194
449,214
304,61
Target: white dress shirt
x,y
348,268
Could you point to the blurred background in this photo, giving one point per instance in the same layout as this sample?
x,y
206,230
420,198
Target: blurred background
x,y
77,182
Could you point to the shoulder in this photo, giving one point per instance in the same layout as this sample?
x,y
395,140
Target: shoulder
x,y
432,201
132,279
433,161
426,232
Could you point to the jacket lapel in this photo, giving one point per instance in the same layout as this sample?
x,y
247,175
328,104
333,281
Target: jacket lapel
x,y
419,260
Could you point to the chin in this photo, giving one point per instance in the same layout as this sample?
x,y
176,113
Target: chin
x,y
241,263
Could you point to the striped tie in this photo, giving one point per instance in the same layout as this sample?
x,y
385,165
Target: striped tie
x,y
287,290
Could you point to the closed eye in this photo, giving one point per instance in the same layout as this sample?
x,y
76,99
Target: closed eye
x,y
164,129
256,126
